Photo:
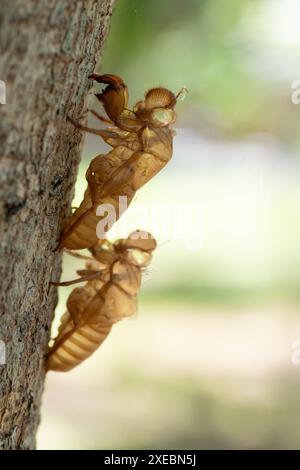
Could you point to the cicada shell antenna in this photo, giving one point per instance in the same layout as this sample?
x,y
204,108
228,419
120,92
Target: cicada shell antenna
x,y
182,93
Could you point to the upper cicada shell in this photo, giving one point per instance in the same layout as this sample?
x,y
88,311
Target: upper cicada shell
x,y
142,144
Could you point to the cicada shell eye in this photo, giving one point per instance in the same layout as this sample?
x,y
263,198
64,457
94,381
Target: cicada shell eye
x,y
104,252
161,117
160,98
138,257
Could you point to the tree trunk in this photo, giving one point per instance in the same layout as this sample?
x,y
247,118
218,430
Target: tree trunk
x,y
48,48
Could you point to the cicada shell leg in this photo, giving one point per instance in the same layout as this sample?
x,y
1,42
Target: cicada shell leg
x,y
114,98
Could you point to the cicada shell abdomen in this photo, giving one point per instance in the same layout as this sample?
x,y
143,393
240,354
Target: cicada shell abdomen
x,y
78,336
77,345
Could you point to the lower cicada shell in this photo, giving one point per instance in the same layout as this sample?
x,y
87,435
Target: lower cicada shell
x,y
113,276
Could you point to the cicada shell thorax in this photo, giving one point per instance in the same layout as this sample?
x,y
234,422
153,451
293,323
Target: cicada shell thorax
x,y
81,227
121,297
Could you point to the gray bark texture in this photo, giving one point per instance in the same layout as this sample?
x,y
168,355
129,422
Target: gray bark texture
x,y
48,48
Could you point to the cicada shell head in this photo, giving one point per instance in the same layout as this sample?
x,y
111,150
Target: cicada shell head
x,y
159,103
160,98
139,239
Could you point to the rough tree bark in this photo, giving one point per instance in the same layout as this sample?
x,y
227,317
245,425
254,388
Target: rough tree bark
x,y
48,48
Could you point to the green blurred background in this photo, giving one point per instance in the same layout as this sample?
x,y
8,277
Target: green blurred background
x,y
207,362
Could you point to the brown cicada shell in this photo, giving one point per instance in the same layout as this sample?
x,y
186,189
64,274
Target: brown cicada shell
x,y
113,275
142,145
